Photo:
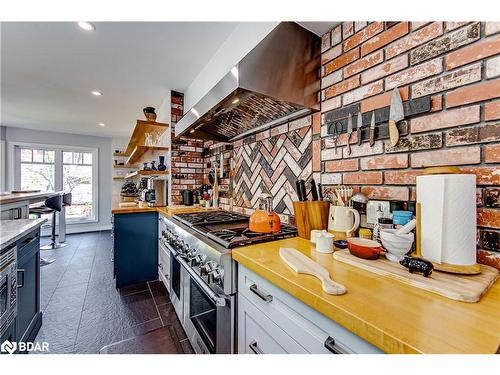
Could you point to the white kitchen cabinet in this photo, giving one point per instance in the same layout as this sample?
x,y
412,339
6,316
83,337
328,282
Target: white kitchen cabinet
x,y
261,301
257,334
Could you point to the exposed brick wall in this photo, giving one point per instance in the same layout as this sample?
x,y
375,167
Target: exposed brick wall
x,y
187,160
456,64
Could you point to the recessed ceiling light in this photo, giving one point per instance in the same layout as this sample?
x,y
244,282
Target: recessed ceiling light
x,y
102,124
191,131
87,26
235,100
96,93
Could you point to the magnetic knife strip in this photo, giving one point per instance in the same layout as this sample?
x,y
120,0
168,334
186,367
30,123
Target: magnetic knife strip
x,y
336,120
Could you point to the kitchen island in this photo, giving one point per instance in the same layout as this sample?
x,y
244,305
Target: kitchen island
x,y
16,205
393,317
135,240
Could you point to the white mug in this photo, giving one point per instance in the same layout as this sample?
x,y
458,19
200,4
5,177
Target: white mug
x,y
324,242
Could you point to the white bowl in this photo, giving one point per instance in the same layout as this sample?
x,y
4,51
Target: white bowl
x,y
396,245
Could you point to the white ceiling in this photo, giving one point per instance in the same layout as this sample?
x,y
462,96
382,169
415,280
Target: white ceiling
x,y
49,69
318,27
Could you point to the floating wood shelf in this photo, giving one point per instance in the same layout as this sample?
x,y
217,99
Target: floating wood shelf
x,y
140,129
142,151
118,178
119,154
146,173
120,166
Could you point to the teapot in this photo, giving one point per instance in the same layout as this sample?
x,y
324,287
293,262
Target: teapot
x,y
343,221
265,220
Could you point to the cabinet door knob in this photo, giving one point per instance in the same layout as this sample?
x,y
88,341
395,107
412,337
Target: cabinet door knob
x,y
255,348
262,295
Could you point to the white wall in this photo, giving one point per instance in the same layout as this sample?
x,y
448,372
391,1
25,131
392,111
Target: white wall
x,y
164,115
2,158
118,144
105,156
241,41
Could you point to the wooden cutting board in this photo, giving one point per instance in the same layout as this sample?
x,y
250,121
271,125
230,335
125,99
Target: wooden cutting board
x,y
302,264
465,288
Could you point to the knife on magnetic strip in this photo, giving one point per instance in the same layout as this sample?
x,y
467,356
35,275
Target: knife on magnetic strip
x,y
349,132
358,128
372,130
396,113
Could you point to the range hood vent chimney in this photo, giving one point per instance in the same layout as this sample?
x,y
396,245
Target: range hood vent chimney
x,y
275,82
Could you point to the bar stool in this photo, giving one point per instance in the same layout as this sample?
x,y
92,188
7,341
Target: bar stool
x,y
66,201
52,205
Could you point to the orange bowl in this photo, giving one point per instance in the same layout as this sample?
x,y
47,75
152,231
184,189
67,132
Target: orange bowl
x,y
364,248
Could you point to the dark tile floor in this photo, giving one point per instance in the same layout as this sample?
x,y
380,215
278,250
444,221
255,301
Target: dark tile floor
x,y
82,309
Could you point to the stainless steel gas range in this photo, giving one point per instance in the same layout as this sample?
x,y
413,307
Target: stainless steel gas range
x,y
203,274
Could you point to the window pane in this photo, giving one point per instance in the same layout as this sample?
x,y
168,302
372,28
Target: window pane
x,y
25,154
37,177
67,157
77,158
87,158
77,179
49,156
38,156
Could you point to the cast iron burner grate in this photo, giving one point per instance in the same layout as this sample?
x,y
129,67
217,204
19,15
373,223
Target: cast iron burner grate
x,y
209,217
242,236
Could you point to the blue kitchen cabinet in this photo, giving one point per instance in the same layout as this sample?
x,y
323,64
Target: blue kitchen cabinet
x,y
29,316
135,248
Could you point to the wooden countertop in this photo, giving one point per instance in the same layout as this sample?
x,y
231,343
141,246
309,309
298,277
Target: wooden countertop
x,y
166,210
32,197
395,317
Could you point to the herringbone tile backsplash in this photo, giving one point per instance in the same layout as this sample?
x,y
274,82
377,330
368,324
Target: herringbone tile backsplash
x,y
271,162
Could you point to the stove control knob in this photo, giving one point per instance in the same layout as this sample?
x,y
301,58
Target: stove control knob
x,y
206,268
216,275
198,260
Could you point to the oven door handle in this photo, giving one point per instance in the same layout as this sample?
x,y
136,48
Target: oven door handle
x,y
21,270
218,300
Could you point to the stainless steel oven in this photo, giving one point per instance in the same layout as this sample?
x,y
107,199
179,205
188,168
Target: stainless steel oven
x,y
209,315
176,282
8,287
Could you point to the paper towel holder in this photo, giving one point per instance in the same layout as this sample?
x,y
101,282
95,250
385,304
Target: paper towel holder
x,y
472,269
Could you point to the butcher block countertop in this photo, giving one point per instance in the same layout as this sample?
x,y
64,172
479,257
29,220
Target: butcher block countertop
x,y
395,317
166,210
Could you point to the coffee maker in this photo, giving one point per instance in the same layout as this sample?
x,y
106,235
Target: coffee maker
x,y
156,193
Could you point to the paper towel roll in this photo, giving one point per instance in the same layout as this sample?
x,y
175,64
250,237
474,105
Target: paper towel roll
x,y
448,218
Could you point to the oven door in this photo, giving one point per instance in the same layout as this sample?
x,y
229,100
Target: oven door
x,y
176,290
208,317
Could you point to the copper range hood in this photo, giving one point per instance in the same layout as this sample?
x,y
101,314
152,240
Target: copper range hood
x,y
275,82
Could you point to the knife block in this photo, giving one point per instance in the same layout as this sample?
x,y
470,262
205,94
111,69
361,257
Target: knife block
x,y
311,215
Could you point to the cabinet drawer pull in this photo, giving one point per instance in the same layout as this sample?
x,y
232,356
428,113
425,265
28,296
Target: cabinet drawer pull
x,y
22,277
266,297
332,346
28,241
255,348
